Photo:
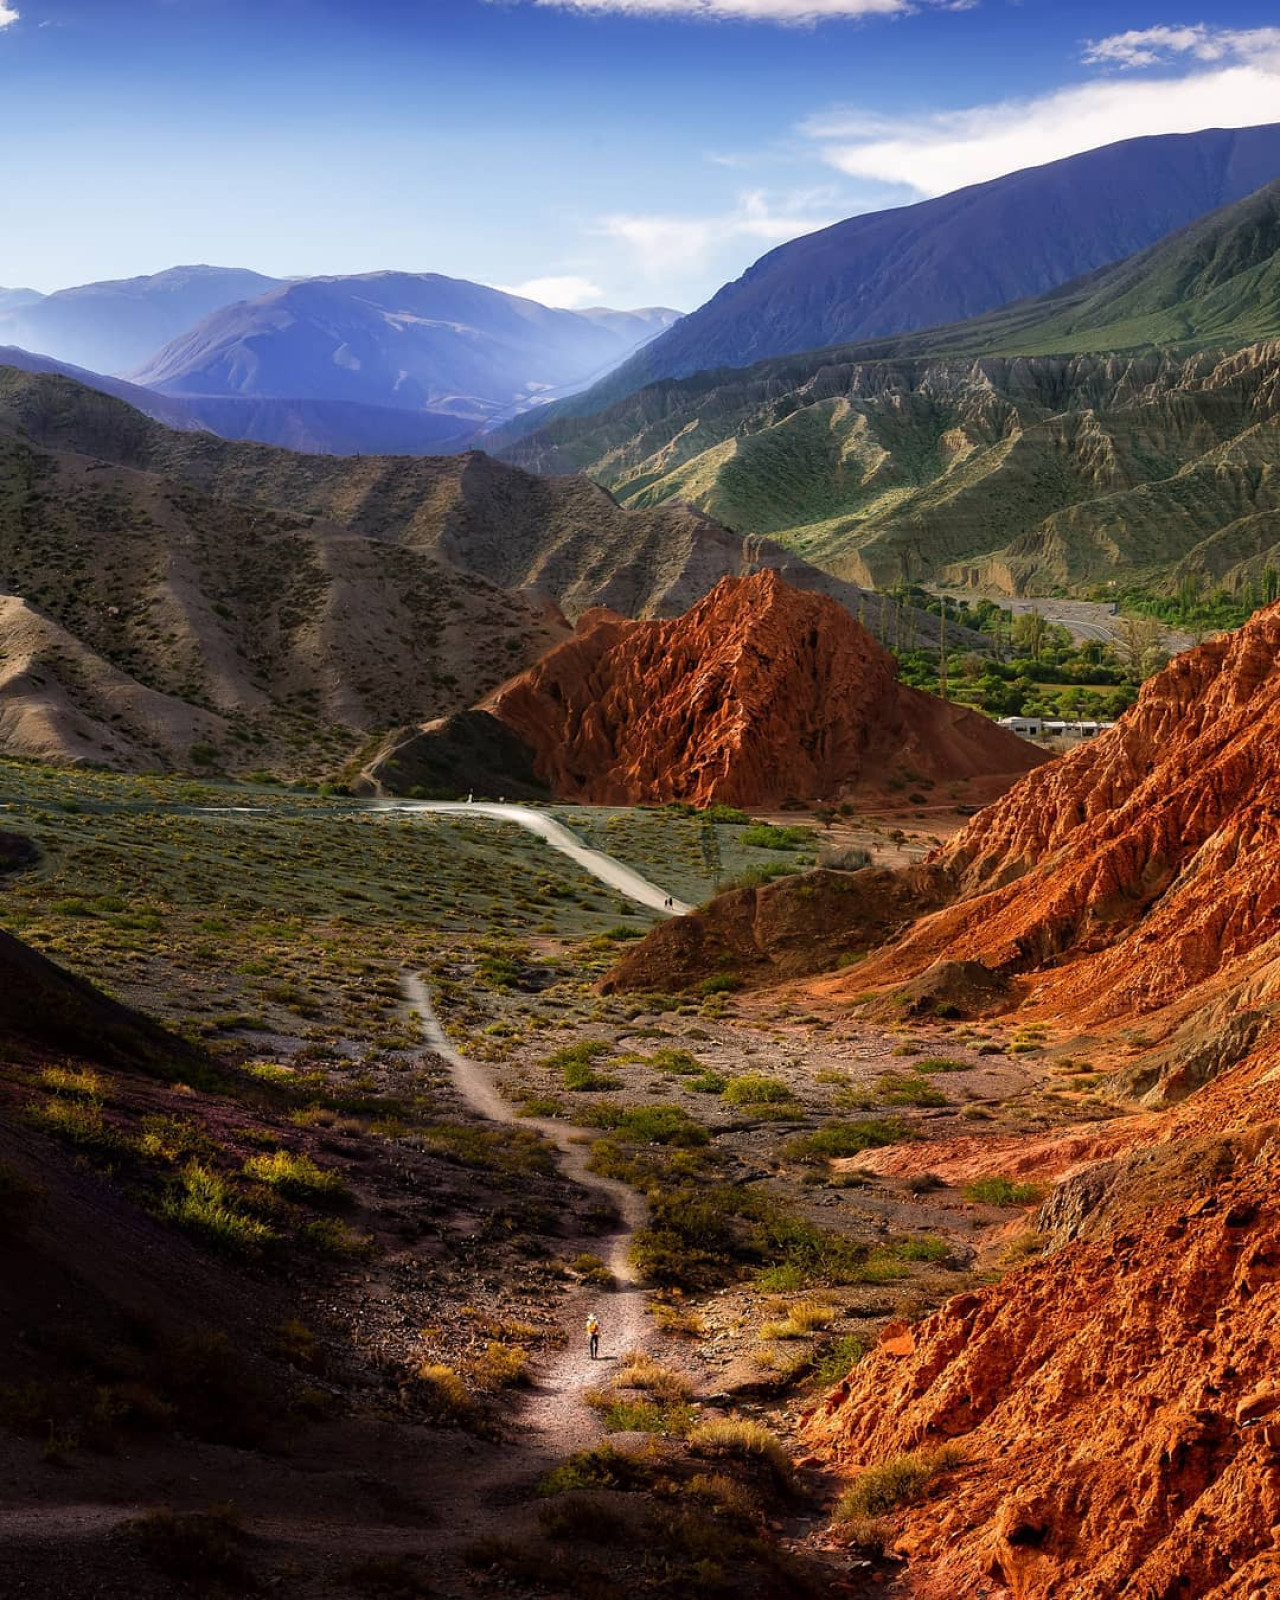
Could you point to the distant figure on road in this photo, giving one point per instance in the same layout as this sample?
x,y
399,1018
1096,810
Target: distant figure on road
x,y
593,1335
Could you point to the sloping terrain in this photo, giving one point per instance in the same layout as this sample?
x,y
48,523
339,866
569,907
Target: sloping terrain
x,y
759,694
1137,875
159,598
1011,452
114,327
1103,1420
405,341
958,256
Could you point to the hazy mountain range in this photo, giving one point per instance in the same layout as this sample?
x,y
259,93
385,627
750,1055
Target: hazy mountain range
x,y
412,363
391,362
1126,427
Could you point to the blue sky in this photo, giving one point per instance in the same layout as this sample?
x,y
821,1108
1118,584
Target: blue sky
x,y
597,151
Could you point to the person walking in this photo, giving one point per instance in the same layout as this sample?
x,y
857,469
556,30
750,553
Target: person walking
x,y
593,1335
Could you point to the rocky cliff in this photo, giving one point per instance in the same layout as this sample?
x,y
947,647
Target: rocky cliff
x,y
1138,868
759,694
1114,1404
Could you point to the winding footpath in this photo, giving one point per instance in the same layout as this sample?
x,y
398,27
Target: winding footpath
x,y
604,867
555,1408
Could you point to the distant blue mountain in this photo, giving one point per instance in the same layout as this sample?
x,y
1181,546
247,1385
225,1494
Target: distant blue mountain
x,y
114,327
401,341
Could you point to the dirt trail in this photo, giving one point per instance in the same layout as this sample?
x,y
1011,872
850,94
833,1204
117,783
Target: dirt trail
x,y
622,878
555,1408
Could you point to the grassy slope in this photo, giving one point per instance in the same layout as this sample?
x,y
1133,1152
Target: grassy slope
x,y
905,455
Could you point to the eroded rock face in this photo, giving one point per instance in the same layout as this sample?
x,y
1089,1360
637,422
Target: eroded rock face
x,y
760,693
1139,866
1114,1406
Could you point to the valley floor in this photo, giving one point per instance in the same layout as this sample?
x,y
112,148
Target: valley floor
x,y
393,1334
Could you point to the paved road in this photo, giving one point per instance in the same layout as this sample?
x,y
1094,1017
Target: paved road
x,y
596,862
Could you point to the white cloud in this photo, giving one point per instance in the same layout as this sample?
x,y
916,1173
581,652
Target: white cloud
x,y
1235,83
663,245
7,15
796,12
1151,47
567,292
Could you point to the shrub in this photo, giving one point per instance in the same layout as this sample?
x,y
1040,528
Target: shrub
x,y
844,858
679,1062
297,1177
841,1139
995,1190
898,1089
79,1083
839,1360
754,1089
194,1547
803,1317
592,1270
721,983
502,1366
764,836
591,1520
204,1203
79,1122
941,1064
443,1391
600,1468
575,1064
669,1125
746,1441
641,1371
881,1489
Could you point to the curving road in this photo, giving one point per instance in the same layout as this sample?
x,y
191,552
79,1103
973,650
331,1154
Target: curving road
x,y
622,878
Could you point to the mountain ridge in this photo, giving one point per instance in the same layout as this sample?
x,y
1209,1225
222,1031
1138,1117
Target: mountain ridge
x,y
942,260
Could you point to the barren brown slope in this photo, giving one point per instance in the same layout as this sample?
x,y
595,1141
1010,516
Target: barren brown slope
x,y
564,536
759,694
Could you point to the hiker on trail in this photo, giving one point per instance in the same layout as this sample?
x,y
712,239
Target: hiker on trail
x,y
593,1335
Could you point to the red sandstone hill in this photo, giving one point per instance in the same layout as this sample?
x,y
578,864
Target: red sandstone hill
x,y
1138,872
1116,1403
1140,867
758,694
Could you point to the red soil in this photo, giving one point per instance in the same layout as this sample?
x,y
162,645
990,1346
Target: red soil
x,y
1139,866
1116,1401
759,694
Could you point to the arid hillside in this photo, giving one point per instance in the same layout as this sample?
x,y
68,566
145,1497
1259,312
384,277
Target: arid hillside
x,y
163,593
1139,870
760,694
1105,1418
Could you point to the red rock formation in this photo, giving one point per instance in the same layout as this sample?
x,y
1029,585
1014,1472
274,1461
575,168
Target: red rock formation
x,y
1139,866
1116,1404
759,693
1116,1401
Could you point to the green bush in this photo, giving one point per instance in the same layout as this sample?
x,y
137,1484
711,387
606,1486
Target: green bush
x,y
755,1089
297,1177
721,983
881,1489
764,836
841,1139
995,1190
671,1125
941,1064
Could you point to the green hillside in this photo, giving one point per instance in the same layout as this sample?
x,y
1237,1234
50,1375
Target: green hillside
x,y
1088,435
